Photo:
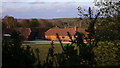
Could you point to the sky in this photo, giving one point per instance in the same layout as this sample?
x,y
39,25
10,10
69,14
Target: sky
x,y
45,9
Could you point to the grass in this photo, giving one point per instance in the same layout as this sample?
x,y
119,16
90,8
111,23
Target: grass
x,y
104,47
43,50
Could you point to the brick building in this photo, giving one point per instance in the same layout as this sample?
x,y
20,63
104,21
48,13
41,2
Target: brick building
x,y
51,33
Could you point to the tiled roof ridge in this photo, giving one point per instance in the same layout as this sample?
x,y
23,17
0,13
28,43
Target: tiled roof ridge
x,y
63,31
60,31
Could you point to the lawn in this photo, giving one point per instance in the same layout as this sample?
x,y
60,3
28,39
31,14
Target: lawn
x,y
105,52
44,48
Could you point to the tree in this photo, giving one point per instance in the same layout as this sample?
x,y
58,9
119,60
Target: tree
x,y
45,24
9,22
108,31
108,25
16,56
34,23
24,23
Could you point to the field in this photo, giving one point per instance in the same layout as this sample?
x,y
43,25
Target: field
x,y
105,52
44,48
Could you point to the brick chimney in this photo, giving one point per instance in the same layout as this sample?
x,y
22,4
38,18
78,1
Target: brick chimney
x,y
64,27
75,28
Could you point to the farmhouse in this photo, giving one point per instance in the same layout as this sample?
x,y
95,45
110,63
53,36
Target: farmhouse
x,y
51,33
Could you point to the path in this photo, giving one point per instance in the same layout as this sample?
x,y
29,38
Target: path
x,y
45,42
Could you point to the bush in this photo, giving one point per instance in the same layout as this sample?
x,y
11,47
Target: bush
x,y
14,55
107,53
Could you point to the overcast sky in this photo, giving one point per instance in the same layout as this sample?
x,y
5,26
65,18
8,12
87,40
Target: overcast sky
x,y
43,8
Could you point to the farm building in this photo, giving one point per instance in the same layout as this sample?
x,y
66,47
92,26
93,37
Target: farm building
x,y
51,33
25,32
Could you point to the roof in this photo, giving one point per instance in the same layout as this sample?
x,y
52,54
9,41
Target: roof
x,y
82,30
24,31
63,31
60,31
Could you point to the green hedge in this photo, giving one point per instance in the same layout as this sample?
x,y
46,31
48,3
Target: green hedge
x,y
107,53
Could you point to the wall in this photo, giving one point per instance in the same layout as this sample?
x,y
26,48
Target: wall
x,y
63,38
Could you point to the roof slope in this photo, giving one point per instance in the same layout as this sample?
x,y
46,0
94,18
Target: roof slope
x,y
82,30
60,31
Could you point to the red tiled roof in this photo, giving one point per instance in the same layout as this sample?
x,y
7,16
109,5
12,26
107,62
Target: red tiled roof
x,y
82,30
60,31
24,31
63,31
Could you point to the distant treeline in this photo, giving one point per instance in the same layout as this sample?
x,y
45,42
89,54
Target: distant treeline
x,y
11,22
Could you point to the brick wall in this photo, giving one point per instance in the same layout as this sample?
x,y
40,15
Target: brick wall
x,y
63,38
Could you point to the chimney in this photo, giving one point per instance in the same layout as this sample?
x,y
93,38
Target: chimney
x,y
75,28
80,25
64,27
